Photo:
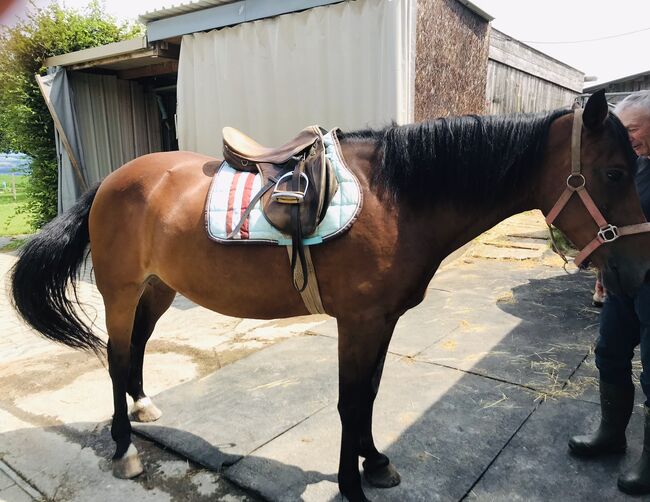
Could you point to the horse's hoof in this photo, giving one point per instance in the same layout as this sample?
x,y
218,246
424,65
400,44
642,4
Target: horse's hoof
x,y
145,411
129,466
383,477
360,497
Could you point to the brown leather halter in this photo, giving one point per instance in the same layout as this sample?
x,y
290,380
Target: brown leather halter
x,y
575,183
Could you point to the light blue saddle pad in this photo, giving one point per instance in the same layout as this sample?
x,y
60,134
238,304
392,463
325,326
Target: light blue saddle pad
x,y
231,191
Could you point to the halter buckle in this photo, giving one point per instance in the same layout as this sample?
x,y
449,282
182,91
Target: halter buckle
x,y
608,233
580,181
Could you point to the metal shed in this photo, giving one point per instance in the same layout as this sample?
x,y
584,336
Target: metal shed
x,y
269,68
619,88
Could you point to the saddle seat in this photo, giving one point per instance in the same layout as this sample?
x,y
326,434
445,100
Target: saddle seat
x,y
248,149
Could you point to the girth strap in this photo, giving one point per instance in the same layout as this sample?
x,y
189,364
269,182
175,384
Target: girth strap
x,y
310,293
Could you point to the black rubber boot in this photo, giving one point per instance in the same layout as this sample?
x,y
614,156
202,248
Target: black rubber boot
x,y
636,481
616,407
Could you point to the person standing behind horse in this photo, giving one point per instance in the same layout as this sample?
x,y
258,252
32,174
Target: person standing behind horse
x,y
624,324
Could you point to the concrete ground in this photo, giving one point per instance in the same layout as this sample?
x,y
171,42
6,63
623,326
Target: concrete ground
x,y
485,381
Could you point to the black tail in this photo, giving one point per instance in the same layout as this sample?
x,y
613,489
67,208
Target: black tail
x,y
47,264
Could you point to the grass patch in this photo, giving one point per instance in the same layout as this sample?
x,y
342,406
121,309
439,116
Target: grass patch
x,y
14,245
12,221
564,245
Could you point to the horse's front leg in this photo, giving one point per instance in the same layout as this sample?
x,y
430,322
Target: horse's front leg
x,y
377,469
362,349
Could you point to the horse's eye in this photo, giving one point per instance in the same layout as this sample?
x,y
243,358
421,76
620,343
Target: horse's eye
x,y
614,175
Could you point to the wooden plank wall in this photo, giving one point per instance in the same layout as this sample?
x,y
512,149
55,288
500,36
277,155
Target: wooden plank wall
x,y
512,91
522,79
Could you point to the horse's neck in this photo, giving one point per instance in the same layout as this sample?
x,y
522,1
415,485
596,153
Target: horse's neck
x,y
457,227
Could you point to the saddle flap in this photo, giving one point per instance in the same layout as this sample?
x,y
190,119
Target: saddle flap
x,y
317,172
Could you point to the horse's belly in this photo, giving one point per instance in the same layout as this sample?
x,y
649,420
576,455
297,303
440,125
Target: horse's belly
x,y
237,280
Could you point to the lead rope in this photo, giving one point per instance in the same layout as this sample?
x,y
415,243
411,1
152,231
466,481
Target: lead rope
x,y
556,248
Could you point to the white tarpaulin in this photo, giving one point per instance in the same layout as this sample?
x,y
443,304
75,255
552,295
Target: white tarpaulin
x,y
348,65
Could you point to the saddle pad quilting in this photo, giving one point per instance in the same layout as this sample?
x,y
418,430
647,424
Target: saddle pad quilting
x,y
232,190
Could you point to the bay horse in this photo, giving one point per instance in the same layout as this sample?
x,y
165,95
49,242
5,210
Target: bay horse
x,y
427,188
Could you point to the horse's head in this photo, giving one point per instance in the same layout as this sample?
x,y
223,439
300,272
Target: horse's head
x,y
589,170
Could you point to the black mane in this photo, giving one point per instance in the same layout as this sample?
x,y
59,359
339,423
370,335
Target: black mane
x,y
469,160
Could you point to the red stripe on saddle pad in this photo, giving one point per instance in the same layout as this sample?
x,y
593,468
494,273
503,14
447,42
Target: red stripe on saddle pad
x,y
231,202
246,199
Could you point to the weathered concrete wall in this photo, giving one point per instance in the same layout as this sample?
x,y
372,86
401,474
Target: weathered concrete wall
x,y
451,60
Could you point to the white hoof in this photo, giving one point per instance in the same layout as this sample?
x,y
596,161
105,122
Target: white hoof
x,y
129,466
145,411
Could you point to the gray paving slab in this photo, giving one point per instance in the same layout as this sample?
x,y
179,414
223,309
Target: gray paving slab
x,y
470,296
219,418
9,478
584,383
487,277
536,465
5,481
529,354
440,427
451,296
14,494
536,334
417,329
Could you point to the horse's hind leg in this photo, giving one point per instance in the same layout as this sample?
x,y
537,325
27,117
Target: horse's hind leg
x,y
154,302
362,350
120,307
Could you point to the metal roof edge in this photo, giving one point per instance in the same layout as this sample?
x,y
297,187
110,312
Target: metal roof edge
x,y
226,15
101,52
180,8
477,10
595,87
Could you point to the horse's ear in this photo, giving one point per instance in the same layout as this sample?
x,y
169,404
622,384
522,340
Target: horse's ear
x,y
596,110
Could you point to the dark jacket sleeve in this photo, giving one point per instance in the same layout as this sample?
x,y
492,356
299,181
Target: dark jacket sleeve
x,y
643,184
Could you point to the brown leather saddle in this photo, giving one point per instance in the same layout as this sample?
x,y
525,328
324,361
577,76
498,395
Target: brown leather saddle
x,y
298,183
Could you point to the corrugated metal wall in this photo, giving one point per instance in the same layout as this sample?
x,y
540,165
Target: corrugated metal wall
x,y
617,91
634,84
511,91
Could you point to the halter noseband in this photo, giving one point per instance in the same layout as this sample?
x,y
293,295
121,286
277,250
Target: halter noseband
x,y
575,183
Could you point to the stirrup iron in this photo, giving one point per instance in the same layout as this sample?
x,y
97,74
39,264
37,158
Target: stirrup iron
x,y
290,196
